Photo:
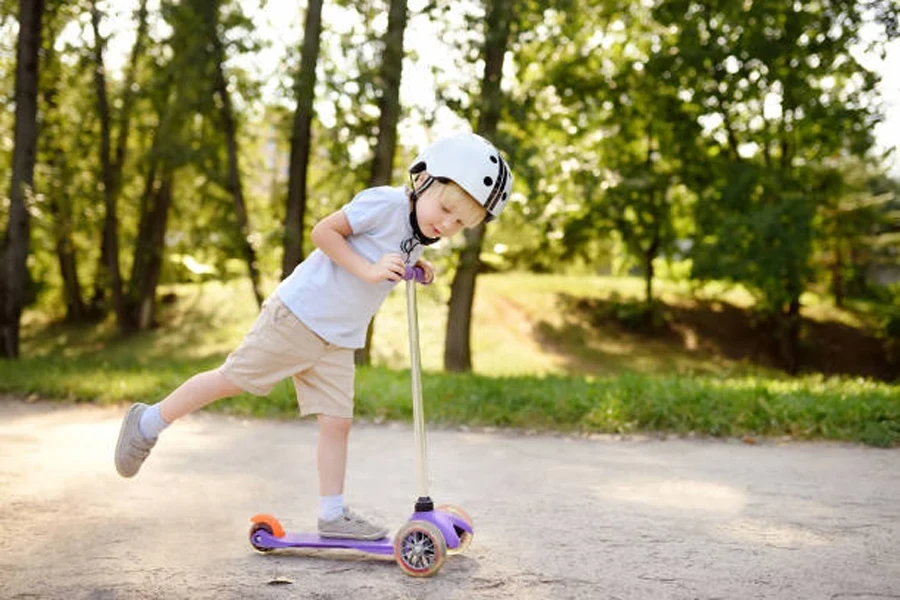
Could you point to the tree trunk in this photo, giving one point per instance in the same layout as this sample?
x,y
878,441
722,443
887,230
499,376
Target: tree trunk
x,y
142,243
305,88
837,275
76,311
389,115
649,271
656,242
59,200
857,282
148,252
789,336
235,187
110,245
389,102
129,95
457,353
155,203
116,165
60,208
14,252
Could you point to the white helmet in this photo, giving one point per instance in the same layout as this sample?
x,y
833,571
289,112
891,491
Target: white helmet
x,y
472,163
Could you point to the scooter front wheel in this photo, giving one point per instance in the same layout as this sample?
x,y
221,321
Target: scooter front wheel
x,y
420,548
465,538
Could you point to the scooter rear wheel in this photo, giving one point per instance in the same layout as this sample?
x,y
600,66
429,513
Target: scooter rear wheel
x,y
420,549
256,528
267,523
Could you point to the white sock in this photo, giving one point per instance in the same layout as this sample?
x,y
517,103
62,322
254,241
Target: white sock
x,y
331,507
152,423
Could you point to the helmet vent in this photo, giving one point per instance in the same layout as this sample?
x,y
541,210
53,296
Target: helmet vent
x,y
488,181
498,192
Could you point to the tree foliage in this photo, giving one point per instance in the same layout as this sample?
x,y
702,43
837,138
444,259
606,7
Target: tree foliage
x,y
778,92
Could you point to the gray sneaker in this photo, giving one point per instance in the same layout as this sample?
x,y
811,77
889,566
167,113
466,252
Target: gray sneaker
x,y
350,525
132,448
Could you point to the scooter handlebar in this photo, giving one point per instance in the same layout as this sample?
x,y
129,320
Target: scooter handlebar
x,y
417,273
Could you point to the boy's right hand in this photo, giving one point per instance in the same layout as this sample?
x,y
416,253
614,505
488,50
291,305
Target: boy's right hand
x,y
389,267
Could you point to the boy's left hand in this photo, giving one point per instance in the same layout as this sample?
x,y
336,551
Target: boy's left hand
x,y
428,268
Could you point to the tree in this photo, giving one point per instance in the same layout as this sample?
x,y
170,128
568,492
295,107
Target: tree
x,y
628,148
854,211
763,78
883,243
457,350
389,115
351,70
14,251
301,140
175,97
61,165
389,101
163,160
110,175
229,125
195,133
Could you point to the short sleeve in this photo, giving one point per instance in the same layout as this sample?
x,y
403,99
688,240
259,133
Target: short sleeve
x,y
364,210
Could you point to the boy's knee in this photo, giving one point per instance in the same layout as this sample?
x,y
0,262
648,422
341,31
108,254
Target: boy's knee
x,y
335,425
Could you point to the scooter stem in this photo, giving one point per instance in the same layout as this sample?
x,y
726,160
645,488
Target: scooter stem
x,y
416,371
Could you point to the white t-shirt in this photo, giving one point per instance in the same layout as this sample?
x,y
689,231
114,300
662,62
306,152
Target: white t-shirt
x,y
333,302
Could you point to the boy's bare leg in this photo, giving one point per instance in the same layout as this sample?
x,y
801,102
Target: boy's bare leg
x,y
334,433
142,424
195,393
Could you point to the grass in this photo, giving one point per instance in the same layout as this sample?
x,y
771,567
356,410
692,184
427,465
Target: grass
x,y
534,369
521,328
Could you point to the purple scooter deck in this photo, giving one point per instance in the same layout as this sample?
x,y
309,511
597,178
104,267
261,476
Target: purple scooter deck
x,y
447,523
262,538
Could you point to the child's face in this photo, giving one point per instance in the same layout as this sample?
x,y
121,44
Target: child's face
x,y
444,209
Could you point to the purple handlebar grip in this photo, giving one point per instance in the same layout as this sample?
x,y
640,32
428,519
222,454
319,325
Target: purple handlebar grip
x,y
417,273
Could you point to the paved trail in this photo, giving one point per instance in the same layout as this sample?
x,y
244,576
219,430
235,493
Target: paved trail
x,y
554,517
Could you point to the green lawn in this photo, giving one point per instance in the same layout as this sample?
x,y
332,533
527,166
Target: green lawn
x,y
535,368
520,329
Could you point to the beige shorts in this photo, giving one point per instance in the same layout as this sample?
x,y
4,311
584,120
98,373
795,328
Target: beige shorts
x,y
279,345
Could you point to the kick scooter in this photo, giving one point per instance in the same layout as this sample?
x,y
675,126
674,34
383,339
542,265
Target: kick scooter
x,y
431,533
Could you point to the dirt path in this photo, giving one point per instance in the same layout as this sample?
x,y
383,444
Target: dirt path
x,y
554,517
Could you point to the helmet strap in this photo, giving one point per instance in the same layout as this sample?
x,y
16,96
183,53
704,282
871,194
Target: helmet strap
x,y
420,237
417,232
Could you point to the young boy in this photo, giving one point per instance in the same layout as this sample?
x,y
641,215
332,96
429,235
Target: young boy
x,y
308,328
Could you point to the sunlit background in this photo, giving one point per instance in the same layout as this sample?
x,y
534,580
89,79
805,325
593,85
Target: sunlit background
x,y
279,25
